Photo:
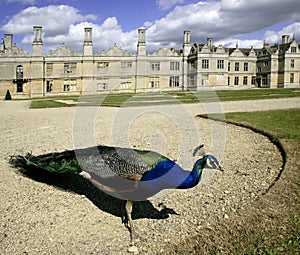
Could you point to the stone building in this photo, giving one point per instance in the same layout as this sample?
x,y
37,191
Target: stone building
x,y
195,66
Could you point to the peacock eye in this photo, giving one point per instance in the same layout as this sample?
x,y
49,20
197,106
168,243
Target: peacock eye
x,y
211,163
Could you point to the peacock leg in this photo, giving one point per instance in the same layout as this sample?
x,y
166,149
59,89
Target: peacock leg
x,y
128,208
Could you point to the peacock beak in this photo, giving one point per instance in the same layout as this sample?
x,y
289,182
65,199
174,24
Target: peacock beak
x,y
220,168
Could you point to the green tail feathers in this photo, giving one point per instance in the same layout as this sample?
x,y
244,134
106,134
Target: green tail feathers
x,y
54,162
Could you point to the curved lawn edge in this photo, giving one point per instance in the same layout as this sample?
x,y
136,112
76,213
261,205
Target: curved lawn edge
x,y
272,138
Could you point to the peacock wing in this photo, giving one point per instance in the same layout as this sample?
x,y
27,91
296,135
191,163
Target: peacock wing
x,y
124,162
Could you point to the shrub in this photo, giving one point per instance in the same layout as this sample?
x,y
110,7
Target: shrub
x,y
7,96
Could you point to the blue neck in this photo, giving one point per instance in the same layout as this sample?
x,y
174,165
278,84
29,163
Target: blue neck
x,y
167,174
195,175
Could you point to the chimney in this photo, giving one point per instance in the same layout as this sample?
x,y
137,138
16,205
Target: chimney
x,y
210,42
8,41
142,42
88,42
187,37
285,39
37,41
187,43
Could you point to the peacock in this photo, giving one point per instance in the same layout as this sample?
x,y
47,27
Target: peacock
x,y
128,174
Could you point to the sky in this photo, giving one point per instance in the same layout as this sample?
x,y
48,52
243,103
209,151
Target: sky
x,y
229,22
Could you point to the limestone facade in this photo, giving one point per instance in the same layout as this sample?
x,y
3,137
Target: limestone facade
x,y
195,66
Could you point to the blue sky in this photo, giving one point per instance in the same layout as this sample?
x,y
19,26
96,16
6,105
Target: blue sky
x,y
228,22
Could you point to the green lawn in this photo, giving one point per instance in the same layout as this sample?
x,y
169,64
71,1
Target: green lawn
x,y
283,124
172,97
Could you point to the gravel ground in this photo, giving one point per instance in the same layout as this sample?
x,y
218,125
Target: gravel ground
x,y
38,218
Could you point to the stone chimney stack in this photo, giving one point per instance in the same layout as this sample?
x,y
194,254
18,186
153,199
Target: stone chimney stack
x,y
187,37
285,39
210,42
186,43
88,42
37,41
141,47
8,41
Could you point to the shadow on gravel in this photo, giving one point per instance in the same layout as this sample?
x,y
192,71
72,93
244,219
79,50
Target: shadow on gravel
x,y
79,185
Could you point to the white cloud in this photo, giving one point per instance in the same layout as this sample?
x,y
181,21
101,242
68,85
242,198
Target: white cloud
x,y
222,20
49,17
167,4
276,36
232,43
104,37
225,21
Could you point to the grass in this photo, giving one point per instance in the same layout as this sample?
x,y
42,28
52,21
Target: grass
x,y
36,104
282,124
172,97
271,225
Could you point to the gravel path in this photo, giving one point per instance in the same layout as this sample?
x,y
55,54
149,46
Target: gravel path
x,y
38,218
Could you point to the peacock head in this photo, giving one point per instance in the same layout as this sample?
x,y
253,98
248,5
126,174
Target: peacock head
x,y
211,162
207,160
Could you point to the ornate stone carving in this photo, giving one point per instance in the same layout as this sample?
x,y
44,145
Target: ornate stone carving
x,y
165,52
63,50
15,51
115,51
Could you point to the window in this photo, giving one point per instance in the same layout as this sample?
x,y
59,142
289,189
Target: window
x,y
266,63
66,87
205,80
174,66
292,76
19,78
49,68
19,87
236,66
102,84
192,80
174,81
125,83
246,67
49,86
228,66
236,80
154,82
220,64
293,49
19,72
253,80
192,66
102,66
228,81
126,66
245,80
155,66
292,63
69,67
259,69
69,85
205,63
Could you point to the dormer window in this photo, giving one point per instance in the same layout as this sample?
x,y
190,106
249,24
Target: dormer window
x,y
293,49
